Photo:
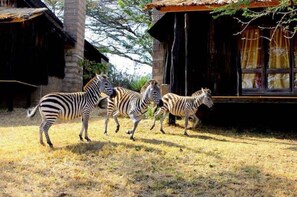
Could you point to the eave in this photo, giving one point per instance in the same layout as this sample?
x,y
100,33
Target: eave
x,y
205,7
14,15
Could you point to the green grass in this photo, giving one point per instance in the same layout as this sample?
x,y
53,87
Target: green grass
x,y
209,162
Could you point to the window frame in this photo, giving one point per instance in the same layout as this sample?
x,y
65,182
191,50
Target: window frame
x,y
265,70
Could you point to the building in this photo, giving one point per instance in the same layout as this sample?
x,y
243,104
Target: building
x,y
40,54
253,81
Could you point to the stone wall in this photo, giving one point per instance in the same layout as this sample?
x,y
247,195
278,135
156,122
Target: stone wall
x,y
54,85
74,24
158,58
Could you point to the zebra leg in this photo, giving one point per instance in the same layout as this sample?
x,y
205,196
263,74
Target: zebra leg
x,y
41,132
186,124
161,122
153,124
116,121
82,130
106,123
136,122
86,126
196,120
45,129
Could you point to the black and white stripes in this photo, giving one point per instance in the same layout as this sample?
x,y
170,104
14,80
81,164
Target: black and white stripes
x,y
132,104
184,106
68,106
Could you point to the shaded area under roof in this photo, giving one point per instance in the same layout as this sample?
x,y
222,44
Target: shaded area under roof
x,y
11,15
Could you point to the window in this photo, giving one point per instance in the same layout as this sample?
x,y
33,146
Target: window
x,y
265,65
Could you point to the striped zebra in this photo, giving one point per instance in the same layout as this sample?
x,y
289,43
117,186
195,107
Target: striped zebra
x,y
184,106
132,104
68,106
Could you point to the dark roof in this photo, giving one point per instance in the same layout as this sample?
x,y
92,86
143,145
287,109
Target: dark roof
x,y
202,5
91,52
35,8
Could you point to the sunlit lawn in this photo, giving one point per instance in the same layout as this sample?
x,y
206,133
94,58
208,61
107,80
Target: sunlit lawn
x,y
209,162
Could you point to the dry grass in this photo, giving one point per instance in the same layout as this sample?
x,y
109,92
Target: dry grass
x,y
210,162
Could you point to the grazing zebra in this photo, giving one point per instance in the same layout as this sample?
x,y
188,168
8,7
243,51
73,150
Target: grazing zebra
x,y
132,104
68,106
184,106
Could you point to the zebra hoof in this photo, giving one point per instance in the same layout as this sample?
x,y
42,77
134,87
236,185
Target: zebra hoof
x,y
132,138
88,139
51,145
152,127
117,129
42,143
162,131
81,138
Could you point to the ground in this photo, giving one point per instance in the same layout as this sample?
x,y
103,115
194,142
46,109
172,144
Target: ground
x,y
210,161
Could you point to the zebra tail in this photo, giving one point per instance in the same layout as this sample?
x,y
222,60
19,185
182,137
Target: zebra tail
x,y
103,103
32,111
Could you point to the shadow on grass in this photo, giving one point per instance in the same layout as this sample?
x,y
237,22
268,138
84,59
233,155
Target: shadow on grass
x,y
149,177
245,181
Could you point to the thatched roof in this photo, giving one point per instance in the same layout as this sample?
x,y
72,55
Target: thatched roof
x,y
10,14
201,5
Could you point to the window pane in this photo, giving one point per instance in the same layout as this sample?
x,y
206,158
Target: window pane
x,y
250,49
278,81
251,81
279,50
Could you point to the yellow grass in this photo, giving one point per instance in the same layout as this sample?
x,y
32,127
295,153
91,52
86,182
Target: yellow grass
x,y
210,162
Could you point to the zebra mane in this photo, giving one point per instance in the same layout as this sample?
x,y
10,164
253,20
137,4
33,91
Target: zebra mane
x,y
199,92
150,82
87,86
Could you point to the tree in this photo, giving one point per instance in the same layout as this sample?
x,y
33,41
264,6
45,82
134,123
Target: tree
x,y
120,28
117,27
283,14
56,6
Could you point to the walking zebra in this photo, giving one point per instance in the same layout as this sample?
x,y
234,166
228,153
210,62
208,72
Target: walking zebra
x,y
132,104
68,106
184,106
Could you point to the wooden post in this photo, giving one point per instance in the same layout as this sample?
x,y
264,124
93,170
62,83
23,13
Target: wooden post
x,y
186,20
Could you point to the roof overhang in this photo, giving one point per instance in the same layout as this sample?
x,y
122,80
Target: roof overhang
x,y
203,5
14,15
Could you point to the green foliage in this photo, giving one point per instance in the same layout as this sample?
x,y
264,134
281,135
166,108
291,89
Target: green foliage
x,y
90,68
117,78
138,83
284,15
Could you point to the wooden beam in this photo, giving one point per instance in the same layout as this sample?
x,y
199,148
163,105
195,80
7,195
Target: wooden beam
x,y
255,99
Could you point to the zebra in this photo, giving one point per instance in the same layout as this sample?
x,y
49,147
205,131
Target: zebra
x,y
132,104
68,106
184,106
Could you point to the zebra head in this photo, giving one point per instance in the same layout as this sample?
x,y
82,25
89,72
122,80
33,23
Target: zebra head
x,y
105,86
98,84
206,97
153,91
